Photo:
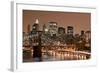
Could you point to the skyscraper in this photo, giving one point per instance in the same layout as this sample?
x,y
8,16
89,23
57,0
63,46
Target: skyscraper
x,y
53,29
45,29
82,32
82,36
88,35
70,30
35,26
61,30
88,38
70,37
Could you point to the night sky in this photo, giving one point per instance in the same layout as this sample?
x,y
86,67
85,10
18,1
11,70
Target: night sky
x,y
80,21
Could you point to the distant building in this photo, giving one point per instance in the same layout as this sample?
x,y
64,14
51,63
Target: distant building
x,y
53,29
88,38
76,36
82,36
25,39
45,29
82,32
70,30
35,26
61,30
88,35
70,37
76,39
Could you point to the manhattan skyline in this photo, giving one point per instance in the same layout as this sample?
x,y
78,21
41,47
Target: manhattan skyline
x,y
80,21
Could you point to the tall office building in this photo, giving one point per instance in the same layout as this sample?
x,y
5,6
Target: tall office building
x,y
45,29
61,30
70,37
70,30
82,36
35,26
88,38
82,32
53,29
88,35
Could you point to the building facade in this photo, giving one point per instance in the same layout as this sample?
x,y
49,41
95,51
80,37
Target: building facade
x,y
61,30
53,28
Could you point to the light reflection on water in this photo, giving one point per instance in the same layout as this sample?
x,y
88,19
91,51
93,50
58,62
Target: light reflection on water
x,y
59,54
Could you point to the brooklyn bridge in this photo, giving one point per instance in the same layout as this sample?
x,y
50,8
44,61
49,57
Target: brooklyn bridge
x,y
54,44
54,53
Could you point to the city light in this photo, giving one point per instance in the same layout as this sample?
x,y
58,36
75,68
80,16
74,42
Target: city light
x,y
54,43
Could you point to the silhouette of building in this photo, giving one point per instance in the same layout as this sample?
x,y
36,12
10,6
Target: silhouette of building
x,y
61,30
88,35
82,36
88,38
53,30
82,32
35,26
45,29
70,37
70,30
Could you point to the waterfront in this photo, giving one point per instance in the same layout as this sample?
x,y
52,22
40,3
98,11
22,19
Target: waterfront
x,y
47,39
57,54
